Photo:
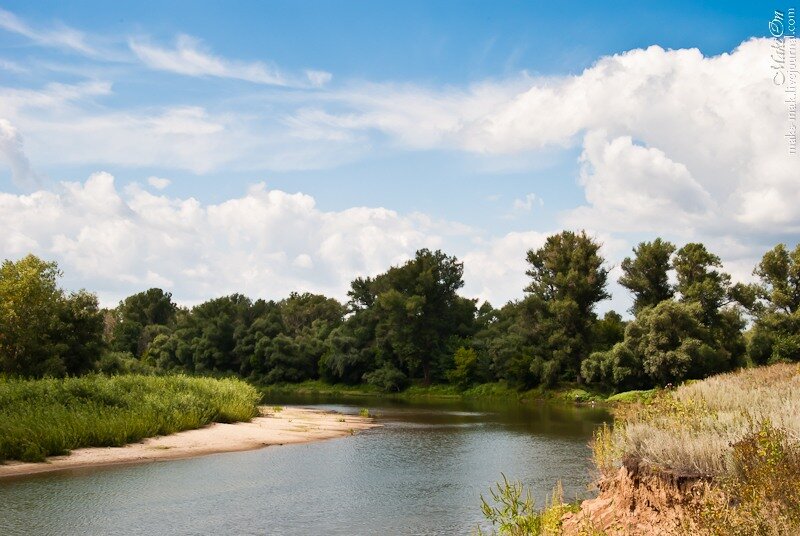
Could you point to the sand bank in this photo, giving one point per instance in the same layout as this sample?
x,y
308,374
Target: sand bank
x,y
289,425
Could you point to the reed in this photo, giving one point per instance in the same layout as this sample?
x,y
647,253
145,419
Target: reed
x,y
47,417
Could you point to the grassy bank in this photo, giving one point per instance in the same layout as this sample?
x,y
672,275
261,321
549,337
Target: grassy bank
x,y
40,418
495,390
740,432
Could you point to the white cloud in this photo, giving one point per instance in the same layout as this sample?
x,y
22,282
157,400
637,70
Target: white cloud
x,y
118,243
158,183
61,37
633,187
11,151
318,78
526,203
494,270
190,57
12,66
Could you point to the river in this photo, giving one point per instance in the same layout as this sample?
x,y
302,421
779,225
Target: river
x,y
422,472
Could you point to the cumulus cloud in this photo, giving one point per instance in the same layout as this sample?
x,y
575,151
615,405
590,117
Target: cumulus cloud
x,y
495,269
629,186
710,126
265,243
158,183
527,203
12,153
672,141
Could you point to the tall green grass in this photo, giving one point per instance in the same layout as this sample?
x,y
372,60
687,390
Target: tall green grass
x,y
40,418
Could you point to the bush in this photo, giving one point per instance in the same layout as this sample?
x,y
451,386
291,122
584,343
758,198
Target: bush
x,y
387,378
122,363
466,361
512,511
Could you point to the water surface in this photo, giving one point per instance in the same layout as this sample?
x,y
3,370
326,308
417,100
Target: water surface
x,y
421,473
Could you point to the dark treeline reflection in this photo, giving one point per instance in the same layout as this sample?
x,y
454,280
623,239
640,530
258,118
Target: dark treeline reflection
x,y
409,324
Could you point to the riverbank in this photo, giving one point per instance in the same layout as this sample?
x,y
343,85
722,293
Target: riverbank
x,y
717,456
490,391
52,416
275,426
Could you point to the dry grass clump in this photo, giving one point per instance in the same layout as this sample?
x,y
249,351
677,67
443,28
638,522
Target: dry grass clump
x,y
762,495
691,431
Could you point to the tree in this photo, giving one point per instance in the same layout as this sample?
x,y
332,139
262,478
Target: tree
x,y
776,333
646,275
699,281
418,312
135,313
29,305
567,280
80,332
42,331
779,271
466,364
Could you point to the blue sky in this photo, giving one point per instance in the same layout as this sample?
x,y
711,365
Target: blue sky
x,y
481,126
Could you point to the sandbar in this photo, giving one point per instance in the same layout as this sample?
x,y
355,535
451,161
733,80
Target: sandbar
x,y
275,426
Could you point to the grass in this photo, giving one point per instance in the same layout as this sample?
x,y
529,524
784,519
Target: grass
x,y
511,510
40,418
739,433
691,431
493,390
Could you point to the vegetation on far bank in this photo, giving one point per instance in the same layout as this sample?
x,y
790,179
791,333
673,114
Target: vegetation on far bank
x,y
409,326
46,417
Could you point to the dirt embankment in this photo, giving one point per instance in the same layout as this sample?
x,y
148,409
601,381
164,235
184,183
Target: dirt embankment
x,y
638,502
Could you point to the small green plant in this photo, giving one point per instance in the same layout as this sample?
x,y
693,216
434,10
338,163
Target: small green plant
x,y
513,512
364,412
603,452
277,409
511,509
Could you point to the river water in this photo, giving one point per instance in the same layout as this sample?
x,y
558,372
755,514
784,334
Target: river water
x,y
422,472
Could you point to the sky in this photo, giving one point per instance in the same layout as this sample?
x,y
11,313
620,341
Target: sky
x,y
267,147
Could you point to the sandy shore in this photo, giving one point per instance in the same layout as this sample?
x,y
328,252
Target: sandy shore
x,y
290,425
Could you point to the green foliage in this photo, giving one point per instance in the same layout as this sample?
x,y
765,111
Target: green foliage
x,y
41,418
779,271
512,511
409,325
776,334
466,362
112,363
567,280
388,378
700,282
44,332
135,314
417,312
646,275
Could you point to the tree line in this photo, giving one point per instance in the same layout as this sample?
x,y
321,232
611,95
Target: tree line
x,y
410,324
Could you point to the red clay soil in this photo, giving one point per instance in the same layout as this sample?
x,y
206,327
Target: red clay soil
x,y
638,502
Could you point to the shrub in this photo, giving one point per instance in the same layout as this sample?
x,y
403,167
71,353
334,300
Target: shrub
x,y
466,361
387,378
